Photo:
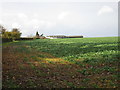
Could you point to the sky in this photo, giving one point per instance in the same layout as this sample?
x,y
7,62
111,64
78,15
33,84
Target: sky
x,y
90,19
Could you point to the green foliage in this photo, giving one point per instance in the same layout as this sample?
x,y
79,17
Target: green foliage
x,y
26,59
88,50
14,34
32,66
12,84
84,72
2,30
39,73
31,84
97,57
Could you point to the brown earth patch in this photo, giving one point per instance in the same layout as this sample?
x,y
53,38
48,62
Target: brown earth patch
x,y
49,72
37,69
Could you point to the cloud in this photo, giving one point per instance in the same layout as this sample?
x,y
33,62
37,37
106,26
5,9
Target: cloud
x,y
35,15
15,25
38,24
50,24
62,15
1,22
105,9
22,15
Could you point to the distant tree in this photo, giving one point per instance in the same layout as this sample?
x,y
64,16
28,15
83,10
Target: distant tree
x,y
37,34
15,30
7,35
41,35
15,34
2,31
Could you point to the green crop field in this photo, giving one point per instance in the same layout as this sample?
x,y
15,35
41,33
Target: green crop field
x,y
61,63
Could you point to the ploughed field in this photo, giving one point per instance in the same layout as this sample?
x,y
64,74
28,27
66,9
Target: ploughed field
x,y
61,63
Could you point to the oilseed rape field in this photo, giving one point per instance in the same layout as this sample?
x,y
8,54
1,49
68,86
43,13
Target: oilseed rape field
x,y
61,63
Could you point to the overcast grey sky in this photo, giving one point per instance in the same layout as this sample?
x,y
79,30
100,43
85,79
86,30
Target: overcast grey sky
x,y
90,19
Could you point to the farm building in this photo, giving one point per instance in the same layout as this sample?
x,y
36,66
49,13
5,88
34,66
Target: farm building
x,y
63,36
74,36
56,36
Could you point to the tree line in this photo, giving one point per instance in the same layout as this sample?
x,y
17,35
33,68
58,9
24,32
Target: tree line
x,y
13,34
